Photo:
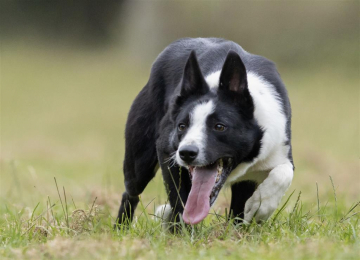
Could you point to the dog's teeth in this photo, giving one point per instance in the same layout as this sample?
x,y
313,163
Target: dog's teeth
x,y
218,177
219,170
220,166
190,173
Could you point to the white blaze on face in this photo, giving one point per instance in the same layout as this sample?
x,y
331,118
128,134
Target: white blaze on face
x,y
196,134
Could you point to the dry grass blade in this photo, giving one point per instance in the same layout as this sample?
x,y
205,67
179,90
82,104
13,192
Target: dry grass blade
x,y
350,210
147,205
62,205
93,205
79,218
333,187
282,208
318,200
177,190
37,219
73,202
296,204
52,212
66,207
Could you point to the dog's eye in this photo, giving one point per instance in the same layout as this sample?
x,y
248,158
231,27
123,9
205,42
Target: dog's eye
x,y
181,127
220,128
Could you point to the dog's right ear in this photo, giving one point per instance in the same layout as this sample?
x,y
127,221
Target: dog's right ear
x,y
193,82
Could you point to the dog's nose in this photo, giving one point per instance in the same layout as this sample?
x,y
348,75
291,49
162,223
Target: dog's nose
x,y
188,153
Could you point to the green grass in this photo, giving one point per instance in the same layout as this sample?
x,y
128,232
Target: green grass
x,y
63,115
61,230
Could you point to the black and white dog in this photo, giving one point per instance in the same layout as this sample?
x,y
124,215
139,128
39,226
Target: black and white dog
x,y
210,115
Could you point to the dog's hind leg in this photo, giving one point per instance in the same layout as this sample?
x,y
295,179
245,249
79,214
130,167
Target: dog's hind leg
x,y
136,179
140,164
138,171
240,193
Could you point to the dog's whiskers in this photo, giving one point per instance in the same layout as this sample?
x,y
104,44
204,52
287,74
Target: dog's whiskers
x,y
172,164
171,159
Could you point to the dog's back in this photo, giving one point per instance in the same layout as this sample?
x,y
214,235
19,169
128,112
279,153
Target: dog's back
x,y
211,54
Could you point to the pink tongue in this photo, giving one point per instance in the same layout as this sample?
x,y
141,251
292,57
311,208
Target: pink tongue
x,y
198,203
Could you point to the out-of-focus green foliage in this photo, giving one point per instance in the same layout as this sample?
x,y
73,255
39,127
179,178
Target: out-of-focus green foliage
x,y
290,32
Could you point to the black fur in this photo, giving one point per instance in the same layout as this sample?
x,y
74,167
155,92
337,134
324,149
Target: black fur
x,y
175,85
240,193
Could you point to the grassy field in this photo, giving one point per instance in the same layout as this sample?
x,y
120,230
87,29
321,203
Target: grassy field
x,y
62,117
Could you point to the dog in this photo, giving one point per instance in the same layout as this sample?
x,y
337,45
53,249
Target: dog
x,y
211,115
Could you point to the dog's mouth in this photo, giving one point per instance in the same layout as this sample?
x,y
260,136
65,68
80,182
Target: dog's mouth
x,y
206,183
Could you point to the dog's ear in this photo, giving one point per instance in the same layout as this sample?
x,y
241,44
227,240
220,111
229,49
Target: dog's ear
x,y
193,82
233,75
233,80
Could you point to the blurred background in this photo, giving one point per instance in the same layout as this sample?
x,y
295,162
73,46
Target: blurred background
x,y
71,69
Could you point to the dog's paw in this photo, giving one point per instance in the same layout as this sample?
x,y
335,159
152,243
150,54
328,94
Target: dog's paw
x,y
265,200
259,208
163,213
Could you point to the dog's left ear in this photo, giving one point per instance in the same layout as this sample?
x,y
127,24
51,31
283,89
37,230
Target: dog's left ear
x,y
233,80
193,82
233,75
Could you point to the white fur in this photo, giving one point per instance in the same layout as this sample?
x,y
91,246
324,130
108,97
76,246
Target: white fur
x,y
267,196
213,80
269,115
163,213
272,168
196,134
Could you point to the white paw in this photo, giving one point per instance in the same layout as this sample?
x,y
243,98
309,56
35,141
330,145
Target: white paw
x,y
259,208
163,213
262,204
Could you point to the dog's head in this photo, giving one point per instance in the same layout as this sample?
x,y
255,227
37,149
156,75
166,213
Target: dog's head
x,y
215,130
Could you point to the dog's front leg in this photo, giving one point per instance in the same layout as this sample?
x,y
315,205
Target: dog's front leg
x,y
268,194
177,184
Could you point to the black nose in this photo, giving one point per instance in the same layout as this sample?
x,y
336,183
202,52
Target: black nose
x,y
188,153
